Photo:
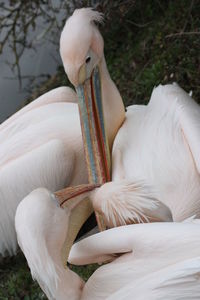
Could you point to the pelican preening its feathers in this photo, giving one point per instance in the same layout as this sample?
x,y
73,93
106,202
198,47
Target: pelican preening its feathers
x,y
42,143
155,177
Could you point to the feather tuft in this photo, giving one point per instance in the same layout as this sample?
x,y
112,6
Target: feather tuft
x,y
125,202
89,14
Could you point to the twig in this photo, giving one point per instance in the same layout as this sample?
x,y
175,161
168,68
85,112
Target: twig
x,y
188,14
182,33
138,25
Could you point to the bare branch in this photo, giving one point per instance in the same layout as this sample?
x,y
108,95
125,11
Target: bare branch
x,y
182,34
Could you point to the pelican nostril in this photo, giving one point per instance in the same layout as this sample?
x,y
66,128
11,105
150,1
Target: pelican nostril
x,y
87,60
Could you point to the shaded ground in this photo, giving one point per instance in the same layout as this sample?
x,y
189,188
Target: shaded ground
x,y
16,282
147,43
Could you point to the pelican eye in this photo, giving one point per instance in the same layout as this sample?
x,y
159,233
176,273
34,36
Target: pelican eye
x,y
87,60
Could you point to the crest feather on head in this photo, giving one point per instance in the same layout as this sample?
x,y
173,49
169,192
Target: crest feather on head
x,y
89,15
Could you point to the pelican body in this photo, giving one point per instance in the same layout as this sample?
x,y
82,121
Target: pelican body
x,y
148,261
159,145
37,149
155,162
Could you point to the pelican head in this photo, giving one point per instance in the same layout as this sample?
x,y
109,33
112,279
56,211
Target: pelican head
x,y
42,227
81,45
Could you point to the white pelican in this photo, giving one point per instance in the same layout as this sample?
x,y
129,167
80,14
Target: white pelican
x,y
41,145
158,147
149,261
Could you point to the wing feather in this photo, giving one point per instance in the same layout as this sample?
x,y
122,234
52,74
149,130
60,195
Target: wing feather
x,y
180,281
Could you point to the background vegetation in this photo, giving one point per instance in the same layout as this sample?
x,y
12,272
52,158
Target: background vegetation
x,y
146,43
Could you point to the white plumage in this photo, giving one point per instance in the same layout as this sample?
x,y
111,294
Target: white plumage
x,y
177,282
37,149
123,202
158,146
149,261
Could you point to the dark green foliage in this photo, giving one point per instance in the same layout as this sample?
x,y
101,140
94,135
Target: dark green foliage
x,y
85,271
16,282
147,43
155,42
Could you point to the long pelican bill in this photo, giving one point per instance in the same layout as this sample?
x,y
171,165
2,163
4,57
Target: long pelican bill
x,y
93,129
95,141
